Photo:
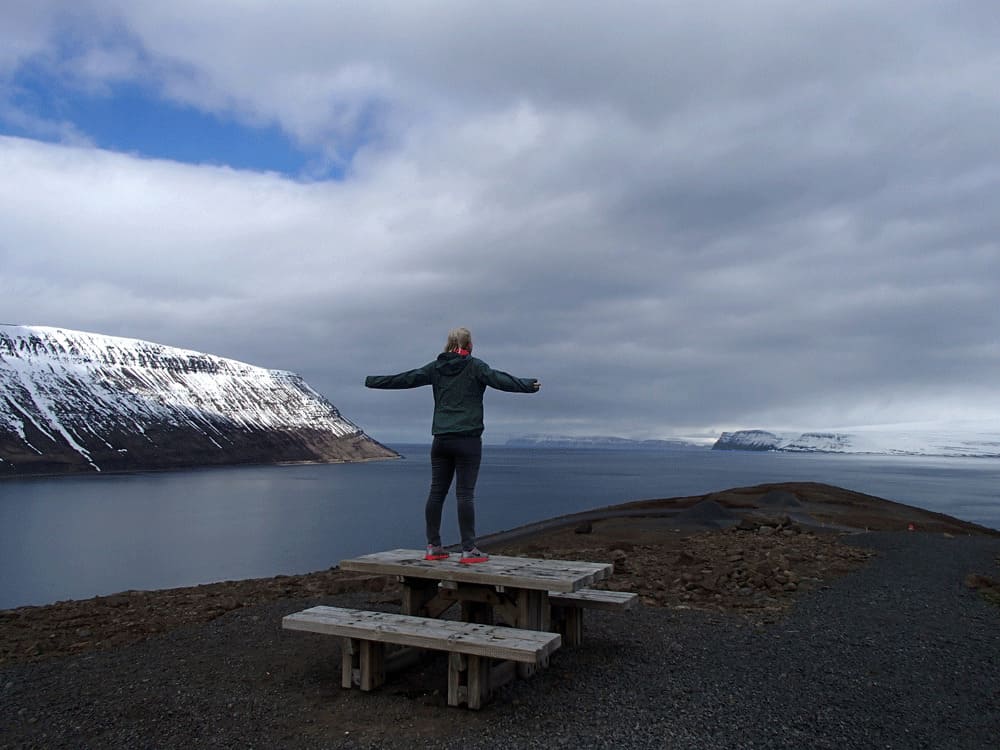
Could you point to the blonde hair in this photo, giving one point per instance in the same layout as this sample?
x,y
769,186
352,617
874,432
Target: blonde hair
x,y
458,338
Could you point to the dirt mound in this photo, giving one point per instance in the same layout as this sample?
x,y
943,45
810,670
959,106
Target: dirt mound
x,y
779,499
825,503
707,513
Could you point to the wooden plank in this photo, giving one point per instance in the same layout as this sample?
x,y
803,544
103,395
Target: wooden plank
x,y
516,572
443,635
593,599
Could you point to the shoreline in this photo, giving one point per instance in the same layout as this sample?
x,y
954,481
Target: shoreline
x,y
193,467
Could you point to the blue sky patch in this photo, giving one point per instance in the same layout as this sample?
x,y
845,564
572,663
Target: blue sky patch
x,y
128,118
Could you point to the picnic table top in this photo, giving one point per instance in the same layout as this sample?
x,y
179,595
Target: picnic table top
x,y
510,572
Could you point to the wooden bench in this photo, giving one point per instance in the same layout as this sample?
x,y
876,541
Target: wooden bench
x,y
567,609
471,646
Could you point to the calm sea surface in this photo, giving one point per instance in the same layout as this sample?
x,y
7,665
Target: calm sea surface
x,y
71,538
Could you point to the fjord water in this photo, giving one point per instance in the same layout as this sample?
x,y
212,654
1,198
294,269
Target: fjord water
x,y
77,537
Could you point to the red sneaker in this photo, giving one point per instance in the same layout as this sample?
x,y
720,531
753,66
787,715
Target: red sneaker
x,y
436,552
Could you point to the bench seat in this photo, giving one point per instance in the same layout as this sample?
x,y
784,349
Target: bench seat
x,y
471,647
567,609
594,599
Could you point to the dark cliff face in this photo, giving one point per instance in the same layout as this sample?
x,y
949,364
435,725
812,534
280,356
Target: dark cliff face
x,y
81,402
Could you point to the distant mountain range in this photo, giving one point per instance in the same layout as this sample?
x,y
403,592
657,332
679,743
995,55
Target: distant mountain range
x,y
874,441
601,442
882,442
83,402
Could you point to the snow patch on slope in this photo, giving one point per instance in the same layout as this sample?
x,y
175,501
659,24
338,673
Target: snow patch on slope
x,y
69,384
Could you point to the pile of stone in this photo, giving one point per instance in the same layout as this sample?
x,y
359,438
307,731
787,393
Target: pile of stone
x,y
756,566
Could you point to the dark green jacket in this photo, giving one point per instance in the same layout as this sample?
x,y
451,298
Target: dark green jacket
x,y
459,383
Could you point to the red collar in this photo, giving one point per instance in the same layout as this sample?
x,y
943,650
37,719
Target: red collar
x,y
463,352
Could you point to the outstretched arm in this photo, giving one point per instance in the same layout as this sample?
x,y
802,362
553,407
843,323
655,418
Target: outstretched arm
x,y
502,381
409,379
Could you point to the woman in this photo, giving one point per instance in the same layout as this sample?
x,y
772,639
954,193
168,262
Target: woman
x,y
459,381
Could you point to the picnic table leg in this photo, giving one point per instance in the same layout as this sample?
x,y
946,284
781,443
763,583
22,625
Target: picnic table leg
x,y
456,664
348,659
478,681
532,614
476,688
572,626
372,664
533,610
362,663
417,592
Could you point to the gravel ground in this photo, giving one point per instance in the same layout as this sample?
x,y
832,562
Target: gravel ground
x,y
900,654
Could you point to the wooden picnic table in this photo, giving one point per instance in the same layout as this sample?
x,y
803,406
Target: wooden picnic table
x,y
513,589
528,595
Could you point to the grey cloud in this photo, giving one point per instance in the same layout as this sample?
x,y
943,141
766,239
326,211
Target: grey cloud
x,y
679,218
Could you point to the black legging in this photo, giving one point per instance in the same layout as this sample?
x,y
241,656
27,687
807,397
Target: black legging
x,y
454,456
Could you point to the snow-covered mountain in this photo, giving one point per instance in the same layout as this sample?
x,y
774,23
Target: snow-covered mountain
x,y
600,442
873,441
77,402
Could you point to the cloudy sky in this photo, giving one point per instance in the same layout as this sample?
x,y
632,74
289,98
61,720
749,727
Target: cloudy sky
x,y
682,218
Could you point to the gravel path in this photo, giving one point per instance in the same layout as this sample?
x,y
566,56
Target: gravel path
x,y
898,655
